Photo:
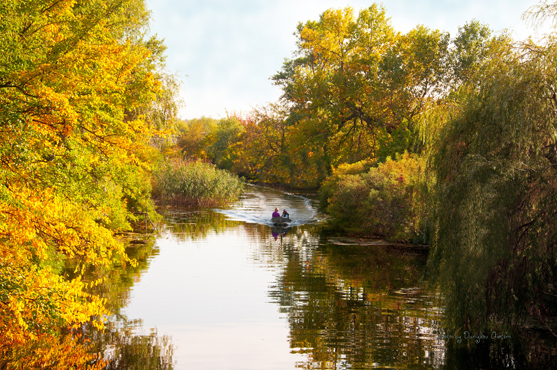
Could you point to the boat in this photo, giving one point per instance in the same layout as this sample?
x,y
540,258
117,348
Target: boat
x,y
280,220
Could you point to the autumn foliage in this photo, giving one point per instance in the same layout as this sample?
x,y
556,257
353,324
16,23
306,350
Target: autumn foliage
x,y
77,80
385,200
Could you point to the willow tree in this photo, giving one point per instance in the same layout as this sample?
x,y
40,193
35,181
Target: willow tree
x,y
496,164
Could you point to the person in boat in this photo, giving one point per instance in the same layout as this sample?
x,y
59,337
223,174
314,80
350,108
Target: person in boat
x,y
285,214
276,213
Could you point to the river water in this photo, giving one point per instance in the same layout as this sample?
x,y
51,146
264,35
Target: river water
x,y
226,290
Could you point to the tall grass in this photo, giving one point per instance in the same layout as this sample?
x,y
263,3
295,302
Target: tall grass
x,y
194,183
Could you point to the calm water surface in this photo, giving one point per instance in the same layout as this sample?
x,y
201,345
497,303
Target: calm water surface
x,y
229,291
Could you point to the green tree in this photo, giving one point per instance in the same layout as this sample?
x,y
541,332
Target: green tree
x,y
221,140
495,162
472,47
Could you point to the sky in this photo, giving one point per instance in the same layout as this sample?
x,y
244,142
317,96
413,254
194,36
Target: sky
x,y
225,51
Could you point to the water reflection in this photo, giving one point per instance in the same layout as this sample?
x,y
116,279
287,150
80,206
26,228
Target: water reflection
x,y
193,224
347,307
358,307
124,347
123,343
233,292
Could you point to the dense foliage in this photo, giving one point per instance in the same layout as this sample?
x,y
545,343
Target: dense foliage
x,y
426,138
478,109
407,135
495,162
82,92
387,200
357,86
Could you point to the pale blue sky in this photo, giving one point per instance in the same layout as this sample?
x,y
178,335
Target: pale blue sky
x,y
224,51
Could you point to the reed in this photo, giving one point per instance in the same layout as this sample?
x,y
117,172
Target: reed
x,y
179,182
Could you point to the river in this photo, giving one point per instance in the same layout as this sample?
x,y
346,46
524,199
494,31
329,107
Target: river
x,y
223,289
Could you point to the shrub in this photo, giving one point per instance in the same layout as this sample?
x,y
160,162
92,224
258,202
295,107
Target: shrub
x,y
194,183
386,201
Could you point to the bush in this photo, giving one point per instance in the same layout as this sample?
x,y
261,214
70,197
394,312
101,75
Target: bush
x,y
194,183
385,201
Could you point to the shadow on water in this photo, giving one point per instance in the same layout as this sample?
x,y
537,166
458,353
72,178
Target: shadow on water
x,y
357,307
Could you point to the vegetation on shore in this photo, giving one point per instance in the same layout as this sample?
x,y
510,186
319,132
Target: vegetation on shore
x,y
387,199
495,165
411,136
82,95
194,183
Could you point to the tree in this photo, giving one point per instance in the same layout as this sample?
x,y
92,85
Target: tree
x,y
222,138
77,80
210,139
494,160
358,85
192,137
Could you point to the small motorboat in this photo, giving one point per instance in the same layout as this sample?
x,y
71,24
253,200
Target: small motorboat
x,y
280,220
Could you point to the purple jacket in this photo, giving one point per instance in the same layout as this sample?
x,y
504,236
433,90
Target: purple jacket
x,y
276,214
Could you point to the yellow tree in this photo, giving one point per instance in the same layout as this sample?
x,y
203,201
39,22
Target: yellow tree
x,y
76,82
192,137
357,85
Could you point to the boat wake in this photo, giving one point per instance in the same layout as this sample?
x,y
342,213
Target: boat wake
x,y
258,203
